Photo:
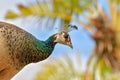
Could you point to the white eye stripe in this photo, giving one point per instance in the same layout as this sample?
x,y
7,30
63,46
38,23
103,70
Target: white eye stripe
x,y
63,33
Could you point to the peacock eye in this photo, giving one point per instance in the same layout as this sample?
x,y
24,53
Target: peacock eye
x,y
65,36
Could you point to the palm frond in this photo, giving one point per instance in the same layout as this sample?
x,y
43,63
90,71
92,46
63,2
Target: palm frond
x,y
53,9
62,68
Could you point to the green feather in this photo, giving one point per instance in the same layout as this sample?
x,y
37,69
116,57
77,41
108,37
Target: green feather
x,y
46,47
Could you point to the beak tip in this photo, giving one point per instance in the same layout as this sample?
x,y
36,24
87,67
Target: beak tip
x,y
71,46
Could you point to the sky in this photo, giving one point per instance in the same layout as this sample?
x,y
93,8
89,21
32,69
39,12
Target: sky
x,y
82,44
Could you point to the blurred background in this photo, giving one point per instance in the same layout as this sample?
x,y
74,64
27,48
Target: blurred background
x,y
96,43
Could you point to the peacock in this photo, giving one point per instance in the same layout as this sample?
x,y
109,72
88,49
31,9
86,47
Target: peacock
x,y
19,48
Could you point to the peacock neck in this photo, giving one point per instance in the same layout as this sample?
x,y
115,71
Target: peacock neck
x,y
50,41
47,46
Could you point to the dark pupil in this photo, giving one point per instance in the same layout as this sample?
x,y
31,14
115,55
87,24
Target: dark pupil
x,y
66,36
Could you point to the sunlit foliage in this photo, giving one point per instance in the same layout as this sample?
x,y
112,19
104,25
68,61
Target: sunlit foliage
x,y
62,68
52,10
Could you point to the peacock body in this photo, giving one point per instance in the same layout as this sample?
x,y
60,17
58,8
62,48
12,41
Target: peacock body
x,y
19,48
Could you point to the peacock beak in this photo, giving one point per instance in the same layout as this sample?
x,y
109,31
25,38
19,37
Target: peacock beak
x,y
70,45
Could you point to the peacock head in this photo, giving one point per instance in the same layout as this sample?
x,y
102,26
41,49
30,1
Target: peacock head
x,y
63,38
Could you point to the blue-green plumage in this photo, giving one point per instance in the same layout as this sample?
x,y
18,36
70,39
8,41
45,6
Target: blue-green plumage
x,y
44,47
